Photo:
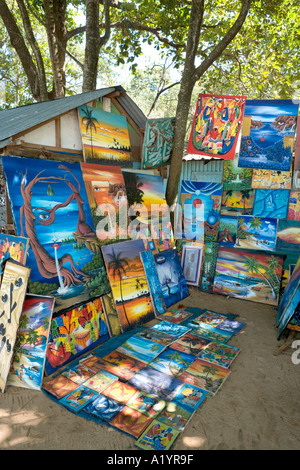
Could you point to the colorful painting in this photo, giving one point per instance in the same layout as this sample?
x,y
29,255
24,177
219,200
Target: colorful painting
x,y
27,369
220,321
201,203
236,178
210,376
171,328
59,386
248,275
158,142
13,247
119,391
271,179
172,362
94,363
288,236
271,203
291,288
171,277
191,396
157,297
105,137
237,202
131,421
74,332
100,381
50,207
156,383
209,266
220,354
191,262
227,230
256,233
157,436
156,336
122,365
294,206
190,344
176,316
141,349
210,333
111,314
297,150
78,373
216,125
78,399
176,415
296,180
128,283
107,198
146,404
104,408
289,312
268,134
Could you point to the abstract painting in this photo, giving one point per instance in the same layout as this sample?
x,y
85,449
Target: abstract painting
x,y
236,178
248,275
288,236
201,203
50,206
27,369
78,399
157,436
237,202
153,282
13,247
268,134
171,277
158,142
104,408
141,349
172,362
105,137
227,230
271,203
74,332
131,421
191,262
209,377
294,206
271,179
128,283
216,125
209,266
107,198
256,233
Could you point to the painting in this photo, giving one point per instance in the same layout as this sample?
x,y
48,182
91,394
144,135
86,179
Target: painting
x,y
146,404
157,436
59,386
237,202
119,391
158,142
268,134
104,408
171,328
201,203
191,262
50,207
176,315
248,275
78,373
216,125
13,247
289,312
210,376
271,203
131,421
111,314
12,296
220,354
78,399
98,382
236,178
27,369
128,283
107,198
155,289
220,321
291,288
294,206
190,344
170,273
288,236
122,365
172,362
227,230
209,266
75,332
176,415
296,180
210,333
156,336
156,383
297,150
256,233
105,137
191,396
271,179
141,349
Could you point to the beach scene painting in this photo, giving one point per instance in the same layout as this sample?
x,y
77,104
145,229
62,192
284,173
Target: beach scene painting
x,y
105,137
237,202
268,134
271,203
248,275
288,236
256,233
140,348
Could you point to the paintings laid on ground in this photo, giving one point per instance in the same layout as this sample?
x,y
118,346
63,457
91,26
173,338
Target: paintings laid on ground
x,y
271,203
248,275
268,134
128,283
13,247
158,142
256,233
216,125
105,137
50,206
27,369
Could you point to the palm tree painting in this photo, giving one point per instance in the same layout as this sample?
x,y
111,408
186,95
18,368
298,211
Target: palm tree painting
x,y
89,121
128,283
237,202
172,362
256,233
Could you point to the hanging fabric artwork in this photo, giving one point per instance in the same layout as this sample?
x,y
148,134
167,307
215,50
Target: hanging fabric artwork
x,y
158,142
216,125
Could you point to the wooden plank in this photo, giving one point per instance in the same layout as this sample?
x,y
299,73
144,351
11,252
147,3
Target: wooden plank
x,y
12,296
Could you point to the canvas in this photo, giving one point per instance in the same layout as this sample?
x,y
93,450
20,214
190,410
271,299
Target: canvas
x,y
111,314
209,266
289,312
59,386
13,247
237,203
201,204
157,297
27,369
288,236
119,391
268,134
190,344
216,125
78,373
220,321
220,354
248,275
122,365
171,277
103,408
171,328
50,206
156,383
176,415
98,382
297,150
78,399
191,396
271,203
105,137
191,263
157,436
172,362
141,349
210,333
236,178
209,377
294,206
256,233
107,198
158,142
128,283
156,336
176,316
296,180
146,404
291,288
12,295
271,179
227,230
131,421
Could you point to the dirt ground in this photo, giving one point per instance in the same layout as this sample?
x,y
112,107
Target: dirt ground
x,y
257,407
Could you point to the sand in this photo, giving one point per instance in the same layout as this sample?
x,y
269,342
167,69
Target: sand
x,y
257,408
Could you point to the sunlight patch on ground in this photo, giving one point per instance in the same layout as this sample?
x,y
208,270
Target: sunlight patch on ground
x,y
194,442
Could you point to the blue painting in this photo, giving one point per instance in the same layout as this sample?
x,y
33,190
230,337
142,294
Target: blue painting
x,y
201,203
140,348
268,134
156,383
153,282
256,233
191,395
50,206
289,310
172,362
271,203
104,408
171,328
170,273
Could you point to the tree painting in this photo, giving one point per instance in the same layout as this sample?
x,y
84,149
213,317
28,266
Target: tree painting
x,y
89,122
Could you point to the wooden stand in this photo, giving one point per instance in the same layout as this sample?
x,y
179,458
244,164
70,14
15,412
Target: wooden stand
x,y
288,343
